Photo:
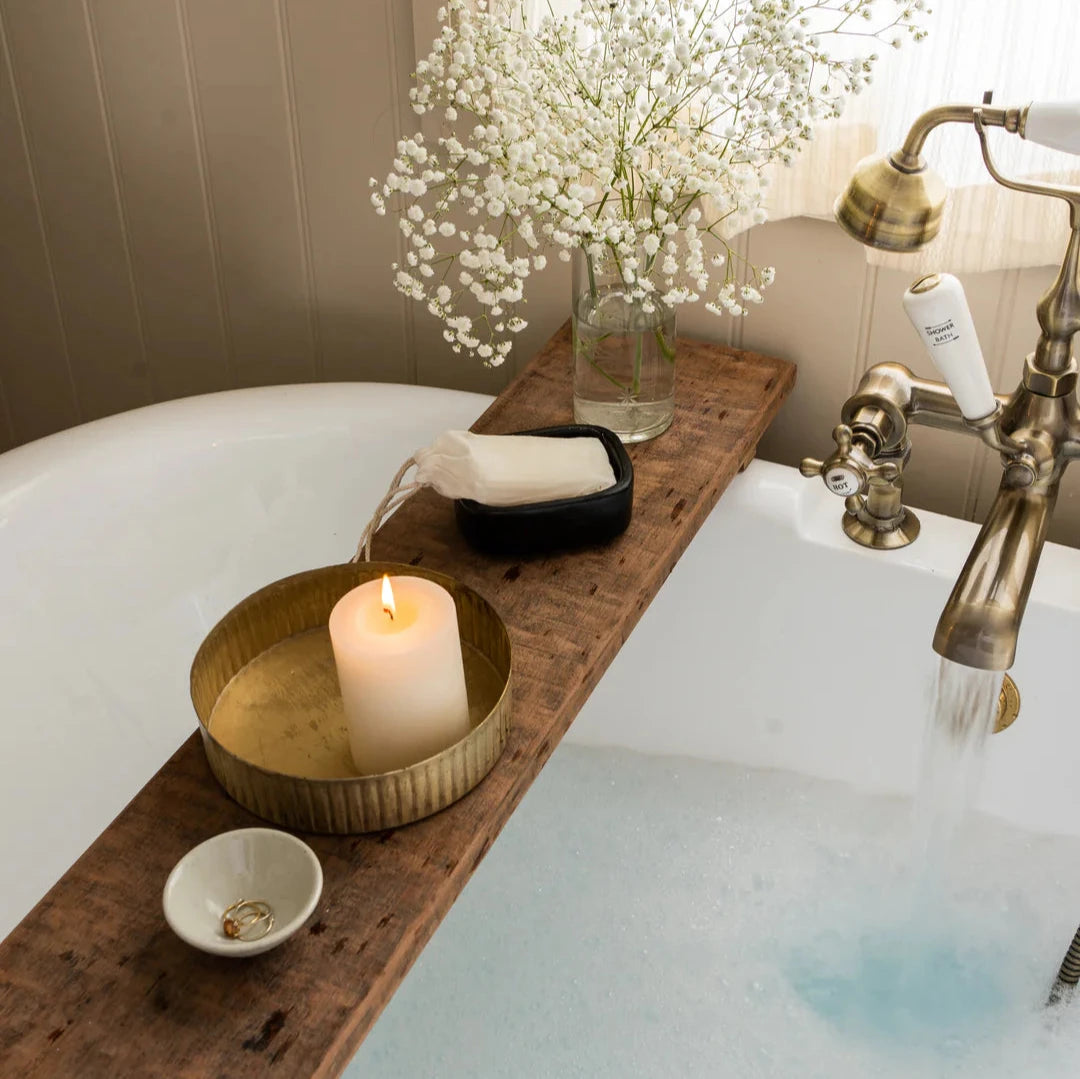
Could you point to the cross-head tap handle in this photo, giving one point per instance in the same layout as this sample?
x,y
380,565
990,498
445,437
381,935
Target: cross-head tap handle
x,y
847,471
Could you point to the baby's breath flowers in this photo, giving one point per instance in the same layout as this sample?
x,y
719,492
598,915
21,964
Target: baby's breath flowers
x,y
638,130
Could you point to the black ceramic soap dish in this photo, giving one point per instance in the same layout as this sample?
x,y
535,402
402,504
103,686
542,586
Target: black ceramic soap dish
x,y
538,527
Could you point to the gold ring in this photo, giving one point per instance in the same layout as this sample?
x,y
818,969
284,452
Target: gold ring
x,y
247,919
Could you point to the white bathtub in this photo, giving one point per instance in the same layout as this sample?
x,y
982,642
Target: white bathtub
x,y
776,641
123,541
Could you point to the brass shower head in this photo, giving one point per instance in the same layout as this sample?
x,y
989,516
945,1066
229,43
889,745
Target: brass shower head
x,y
893,202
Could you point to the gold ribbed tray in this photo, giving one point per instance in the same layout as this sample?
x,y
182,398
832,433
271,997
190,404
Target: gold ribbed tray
x,y
265,690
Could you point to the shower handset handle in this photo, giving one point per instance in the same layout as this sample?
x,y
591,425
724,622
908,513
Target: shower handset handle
x,y
939,311
1053,123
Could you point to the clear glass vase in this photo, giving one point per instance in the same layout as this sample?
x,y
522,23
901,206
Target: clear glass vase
x,y
624,350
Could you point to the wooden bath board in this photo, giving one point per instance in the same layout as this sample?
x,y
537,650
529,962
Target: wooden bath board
x,y
93,983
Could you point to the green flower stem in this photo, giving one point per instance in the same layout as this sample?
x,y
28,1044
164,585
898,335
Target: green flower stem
x,y
587,352
666,350
611,378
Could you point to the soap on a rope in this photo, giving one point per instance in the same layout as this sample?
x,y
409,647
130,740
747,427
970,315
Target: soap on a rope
x,y
525,493
513,470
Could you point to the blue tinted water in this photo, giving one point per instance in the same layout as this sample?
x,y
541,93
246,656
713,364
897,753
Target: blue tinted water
x,y
654,917
903,984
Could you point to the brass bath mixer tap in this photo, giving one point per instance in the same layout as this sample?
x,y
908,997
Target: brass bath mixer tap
x,y
894,202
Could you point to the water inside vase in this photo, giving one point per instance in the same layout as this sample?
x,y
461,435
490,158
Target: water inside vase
x,y
624,363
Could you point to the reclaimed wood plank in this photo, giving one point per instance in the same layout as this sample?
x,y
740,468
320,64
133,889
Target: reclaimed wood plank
x,y
93,983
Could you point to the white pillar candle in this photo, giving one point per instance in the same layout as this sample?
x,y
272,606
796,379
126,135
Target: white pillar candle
x,y
401,673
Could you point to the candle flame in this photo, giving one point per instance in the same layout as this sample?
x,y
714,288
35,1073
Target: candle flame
x,y
388,597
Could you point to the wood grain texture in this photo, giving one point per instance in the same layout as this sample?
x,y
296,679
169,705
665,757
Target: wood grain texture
x,y
93,983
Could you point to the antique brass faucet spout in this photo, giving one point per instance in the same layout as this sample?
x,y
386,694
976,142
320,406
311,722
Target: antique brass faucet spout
x,y
982,617
894,202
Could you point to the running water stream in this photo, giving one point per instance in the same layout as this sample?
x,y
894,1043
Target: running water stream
x,y
958,725
910,970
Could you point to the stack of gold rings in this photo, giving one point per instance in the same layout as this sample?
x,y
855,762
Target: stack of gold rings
x,y
247,919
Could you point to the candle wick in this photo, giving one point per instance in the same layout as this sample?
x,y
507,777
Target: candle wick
x,y
389,612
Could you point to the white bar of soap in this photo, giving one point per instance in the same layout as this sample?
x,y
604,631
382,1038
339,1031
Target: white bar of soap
x,y
512,470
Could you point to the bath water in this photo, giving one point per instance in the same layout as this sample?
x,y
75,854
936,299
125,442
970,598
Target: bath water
x,y
663,917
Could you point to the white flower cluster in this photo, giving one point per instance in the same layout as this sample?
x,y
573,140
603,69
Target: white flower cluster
x,y
637,130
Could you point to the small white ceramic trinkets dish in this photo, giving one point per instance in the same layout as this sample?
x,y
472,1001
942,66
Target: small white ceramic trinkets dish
x,y
243,892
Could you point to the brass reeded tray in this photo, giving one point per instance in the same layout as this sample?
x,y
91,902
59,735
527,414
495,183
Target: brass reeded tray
x,y
266,693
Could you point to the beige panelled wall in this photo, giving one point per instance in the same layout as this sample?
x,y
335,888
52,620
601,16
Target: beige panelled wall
x,y
183,209
184,202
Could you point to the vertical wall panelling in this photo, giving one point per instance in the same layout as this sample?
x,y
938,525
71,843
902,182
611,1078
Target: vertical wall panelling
x,y
692,320
140,46
205,193
425,25
236,60
545,308
118,192
860,361
402,35
38,389
55,77
436,363
811,315
742,248
342,83
299,186
7,429
1004,371
695,321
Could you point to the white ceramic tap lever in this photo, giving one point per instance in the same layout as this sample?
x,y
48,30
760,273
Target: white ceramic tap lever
x,y
1055,124
938,309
